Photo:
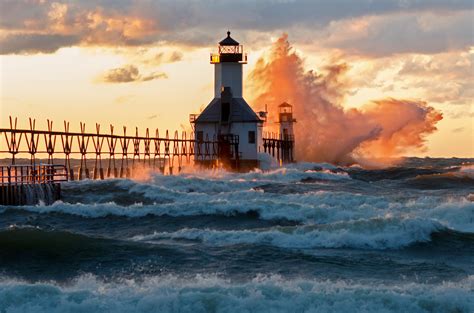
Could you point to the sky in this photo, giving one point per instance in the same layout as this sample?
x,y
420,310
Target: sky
x,y
146,63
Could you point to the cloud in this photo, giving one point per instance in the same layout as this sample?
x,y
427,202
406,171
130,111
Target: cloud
x,y
176,56
134,23
35,43
129,73
401,33
463,113
126,74
28,23
161,58
458,130
153,76
444,78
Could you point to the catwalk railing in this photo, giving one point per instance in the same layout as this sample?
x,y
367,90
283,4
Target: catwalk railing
x,y
279,146
31,184
32,174
84,153
121,152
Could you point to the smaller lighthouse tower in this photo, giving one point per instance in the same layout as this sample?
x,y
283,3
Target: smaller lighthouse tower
x,y
286,120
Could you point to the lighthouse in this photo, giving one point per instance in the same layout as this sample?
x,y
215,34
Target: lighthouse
x,y
228,118
286,120
287,136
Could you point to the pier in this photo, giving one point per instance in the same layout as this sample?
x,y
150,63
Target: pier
x,y
48,156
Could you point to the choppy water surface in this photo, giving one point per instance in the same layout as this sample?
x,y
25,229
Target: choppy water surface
x,y
305,238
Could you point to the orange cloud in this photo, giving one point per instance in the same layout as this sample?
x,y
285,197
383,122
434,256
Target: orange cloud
x,y
102,27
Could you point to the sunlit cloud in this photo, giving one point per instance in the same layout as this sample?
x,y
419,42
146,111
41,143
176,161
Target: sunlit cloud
x,y
363,26
387,35
128,74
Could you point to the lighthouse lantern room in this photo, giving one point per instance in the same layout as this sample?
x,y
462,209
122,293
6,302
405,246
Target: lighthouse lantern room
x,y
228,118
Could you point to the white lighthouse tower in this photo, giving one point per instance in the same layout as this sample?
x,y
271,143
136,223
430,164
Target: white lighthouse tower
x,y
228,118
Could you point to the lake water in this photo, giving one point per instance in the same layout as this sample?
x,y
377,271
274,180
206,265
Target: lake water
x,y
304,238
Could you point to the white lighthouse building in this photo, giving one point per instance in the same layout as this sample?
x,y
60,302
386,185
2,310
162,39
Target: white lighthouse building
x,y
228,119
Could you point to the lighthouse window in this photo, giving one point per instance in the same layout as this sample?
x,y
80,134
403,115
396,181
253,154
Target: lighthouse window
x,y
225,112
251,136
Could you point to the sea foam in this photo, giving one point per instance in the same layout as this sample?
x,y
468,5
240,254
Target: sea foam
x,y
213,294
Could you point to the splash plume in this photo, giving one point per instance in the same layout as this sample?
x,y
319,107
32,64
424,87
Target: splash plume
x,y
325,131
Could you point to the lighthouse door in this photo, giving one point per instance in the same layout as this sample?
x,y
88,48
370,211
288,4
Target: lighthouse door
x,y
228,150
225,152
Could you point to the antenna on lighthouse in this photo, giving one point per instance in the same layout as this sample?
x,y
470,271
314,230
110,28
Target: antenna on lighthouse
x,y
263,114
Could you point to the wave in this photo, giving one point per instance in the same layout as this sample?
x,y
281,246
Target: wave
x,y
37,254
318,206
450,177
392,173
456,214
193,187
31,240
213,294
449,180
376,233
29,245
321,207
207,181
